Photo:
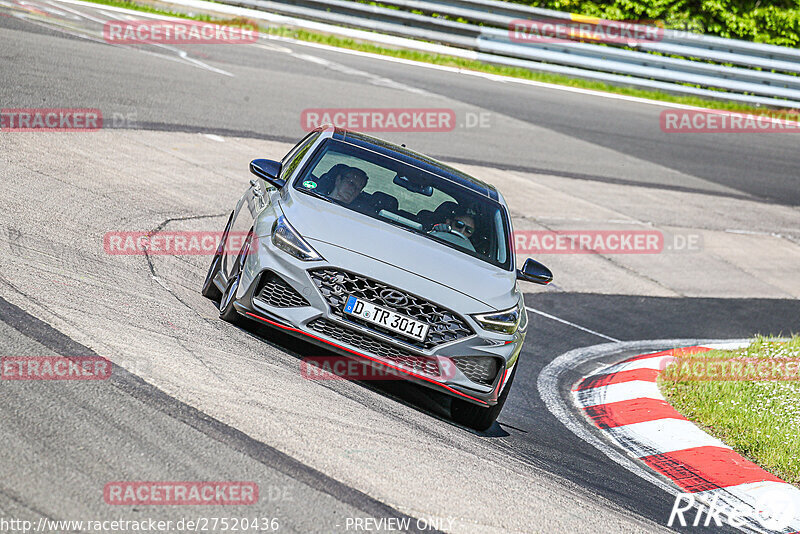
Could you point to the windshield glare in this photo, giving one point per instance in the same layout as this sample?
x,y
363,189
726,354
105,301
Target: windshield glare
x,y
409,197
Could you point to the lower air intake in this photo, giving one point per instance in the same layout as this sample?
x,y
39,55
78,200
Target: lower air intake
x,y
374,347
276,292
480,369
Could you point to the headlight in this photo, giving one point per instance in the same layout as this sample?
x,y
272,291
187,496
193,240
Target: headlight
x,y
288,240
506,321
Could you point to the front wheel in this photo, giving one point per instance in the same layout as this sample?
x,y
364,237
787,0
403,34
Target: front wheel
x,y
227,311
210,289
479,417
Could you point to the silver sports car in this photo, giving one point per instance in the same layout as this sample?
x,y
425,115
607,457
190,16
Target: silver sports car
x,y
380,253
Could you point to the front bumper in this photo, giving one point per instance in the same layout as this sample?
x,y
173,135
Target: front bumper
x,y
312,318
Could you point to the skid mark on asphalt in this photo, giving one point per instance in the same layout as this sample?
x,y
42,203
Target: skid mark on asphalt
x,y
548,385
551,380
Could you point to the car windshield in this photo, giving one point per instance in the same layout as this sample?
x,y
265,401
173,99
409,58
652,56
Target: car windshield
x,y
409,197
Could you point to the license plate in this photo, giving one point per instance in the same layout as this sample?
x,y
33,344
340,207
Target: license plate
x,y
389,319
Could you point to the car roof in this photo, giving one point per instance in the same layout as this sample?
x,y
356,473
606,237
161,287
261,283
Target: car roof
x,y
416,159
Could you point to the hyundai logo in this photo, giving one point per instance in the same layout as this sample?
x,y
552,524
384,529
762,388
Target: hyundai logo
x,y
393,297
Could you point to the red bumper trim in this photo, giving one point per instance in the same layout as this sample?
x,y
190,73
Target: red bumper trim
x,y
419,377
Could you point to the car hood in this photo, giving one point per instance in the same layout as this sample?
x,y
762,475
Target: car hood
x,y
325,222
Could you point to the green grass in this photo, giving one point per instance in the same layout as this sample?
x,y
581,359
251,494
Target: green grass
x,y
759,419
451,61
149,9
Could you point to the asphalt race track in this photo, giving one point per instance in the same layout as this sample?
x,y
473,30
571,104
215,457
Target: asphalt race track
x,y
194,398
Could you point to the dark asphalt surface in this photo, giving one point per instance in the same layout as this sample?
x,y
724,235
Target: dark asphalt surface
x,y
266,100
43,67
124,429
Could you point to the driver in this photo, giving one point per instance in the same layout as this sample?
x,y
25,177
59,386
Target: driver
x,y
458,228
348,185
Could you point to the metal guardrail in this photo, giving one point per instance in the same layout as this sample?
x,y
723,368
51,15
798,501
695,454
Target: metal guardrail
x,y
769,80
710,47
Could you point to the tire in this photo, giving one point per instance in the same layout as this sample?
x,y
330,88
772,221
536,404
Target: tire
x,y
227,311
478,417
210,289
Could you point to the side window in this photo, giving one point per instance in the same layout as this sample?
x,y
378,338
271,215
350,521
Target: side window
x,y
295,156
501,239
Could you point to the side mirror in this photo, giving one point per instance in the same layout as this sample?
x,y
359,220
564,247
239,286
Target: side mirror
x,y
533,271
268,170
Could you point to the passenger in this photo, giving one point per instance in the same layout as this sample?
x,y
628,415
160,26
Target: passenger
x,y
461,224
348,185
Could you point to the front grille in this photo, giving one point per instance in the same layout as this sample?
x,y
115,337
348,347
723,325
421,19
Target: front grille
x,y
276,292
480,369
336,285
420,364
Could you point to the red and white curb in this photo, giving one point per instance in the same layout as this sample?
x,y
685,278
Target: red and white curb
x,y
624,402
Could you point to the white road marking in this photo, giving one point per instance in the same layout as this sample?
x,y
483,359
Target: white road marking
x,y
374,79
663,435
521,81
113,16
579,327
134,12
275,48
183,56
53,25
548,385
52,10
214,137
655,363
420,64
624,391
81,14
729,345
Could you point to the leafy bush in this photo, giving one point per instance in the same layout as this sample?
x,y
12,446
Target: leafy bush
x,y
768,21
